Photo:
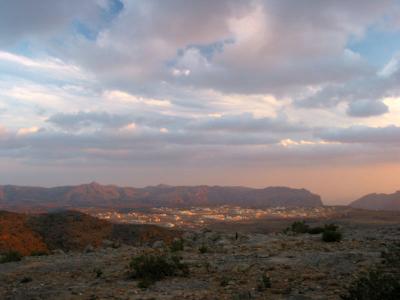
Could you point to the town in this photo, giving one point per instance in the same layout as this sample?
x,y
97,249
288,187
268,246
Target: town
x,y
195,217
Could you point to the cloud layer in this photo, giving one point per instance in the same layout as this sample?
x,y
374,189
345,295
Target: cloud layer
x,y
111,83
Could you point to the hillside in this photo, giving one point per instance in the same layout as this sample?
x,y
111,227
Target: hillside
x,y
379,202
107,196
232,265
70,231
16,234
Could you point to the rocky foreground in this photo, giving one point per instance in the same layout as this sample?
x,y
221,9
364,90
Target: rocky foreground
x,y
229,266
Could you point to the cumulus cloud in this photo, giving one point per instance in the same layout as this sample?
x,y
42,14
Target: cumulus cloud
x,y
258,46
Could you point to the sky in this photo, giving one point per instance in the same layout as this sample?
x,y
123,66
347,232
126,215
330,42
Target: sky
x,y
231,92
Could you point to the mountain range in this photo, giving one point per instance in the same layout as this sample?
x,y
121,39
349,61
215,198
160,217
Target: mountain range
x,y
111,196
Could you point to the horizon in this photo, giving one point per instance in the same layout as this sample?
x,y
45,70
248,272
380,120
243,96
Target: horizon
x,y
324,201
233,93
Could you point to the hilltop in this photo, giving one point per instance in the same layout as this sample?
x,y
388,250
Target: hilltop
x,y
379,202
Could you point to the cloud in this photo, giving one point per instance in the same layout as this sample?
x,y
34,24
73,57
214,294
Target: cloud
x,y
367,108
258,46
87,119
206,83
246,122
26,19
362,134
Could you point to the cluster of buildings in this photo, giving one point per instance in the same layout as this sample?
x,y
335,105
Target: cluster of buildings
x,y
200,216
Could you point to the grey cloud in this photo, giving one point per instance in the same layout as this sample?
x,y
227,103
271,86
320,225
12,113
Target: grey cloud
x,y
361,134
367,108
233,124
157,149
358,92
81,120
248,123
292,46
21,19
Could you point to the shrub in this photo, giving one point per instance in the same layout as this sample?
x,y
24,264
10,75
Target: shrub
x,y
298,227
10,257
26,280
224,281
39,253
375,285
381,282
316,230
150,268
330,236
265,283
203,249
98,272
391,257
331,227
177,245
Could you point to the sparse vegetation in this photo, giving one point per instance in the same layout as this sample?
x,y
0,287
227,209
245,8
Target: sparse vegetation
x,y
224,281
39,253
177,245
203,249
331,236
10,257
149,268
374,285
329,232
316,230
297,227
98,272
331,227
265,283
26,280
380,282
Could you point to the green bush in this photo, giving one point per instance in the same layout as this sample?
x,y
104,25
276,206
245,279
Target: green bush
x,y
298,227
10,257
330,236
177,245
150,268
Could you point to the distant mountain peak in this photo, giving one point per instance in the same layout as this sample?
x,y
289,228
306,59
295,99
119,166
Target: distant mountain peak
x,y
376,201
